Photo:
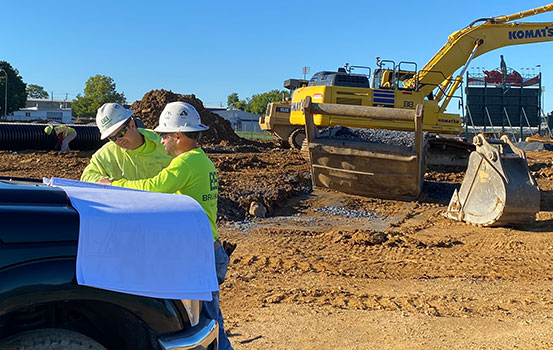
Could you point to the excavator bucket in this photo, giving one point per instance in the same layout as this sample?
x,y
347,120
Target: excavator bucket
x,y
362,168
498,188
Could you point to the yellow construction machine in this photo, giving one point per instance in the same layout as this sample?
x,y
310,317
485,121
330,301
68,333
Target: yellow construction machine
x,y
277,118
401,85
506,192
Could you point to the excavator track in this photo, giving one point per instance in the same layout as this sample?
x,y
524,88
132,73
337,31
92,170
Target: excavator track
x,y
447,153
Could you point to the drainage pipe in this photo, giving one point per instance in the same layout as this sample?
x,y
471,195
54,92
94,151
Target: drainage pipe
x,y
30,136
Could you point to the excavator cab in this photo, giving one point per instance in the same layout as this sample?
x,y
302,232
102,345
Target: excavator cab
x,y
339,78
388,75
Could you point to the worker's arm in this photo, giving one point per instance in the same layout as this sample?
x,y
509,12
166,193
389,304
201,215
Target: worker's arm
x,y
94,171
169,180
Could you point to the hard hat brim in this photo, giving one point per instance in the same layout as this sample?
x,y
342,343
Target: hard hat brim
x,y
114,127
199,127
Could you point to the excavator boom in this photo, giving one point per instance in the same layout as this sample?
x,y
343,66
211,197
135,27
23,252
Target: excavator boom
x,y
523,14
494,33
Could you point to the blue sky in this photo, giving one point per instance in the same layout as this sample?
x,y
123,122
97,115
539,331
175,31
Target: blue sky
x,y
214,48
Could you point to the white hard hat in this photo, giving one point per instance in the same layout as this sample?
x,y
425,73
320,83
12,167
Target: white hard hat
x,y
180,116
110,117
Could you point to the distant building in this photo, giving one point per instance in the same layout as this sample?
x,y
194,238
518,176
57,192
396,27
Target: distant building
x,y
240,120
44,108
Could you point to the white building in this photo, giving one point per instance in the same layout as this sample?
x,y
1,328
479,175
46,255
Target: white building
x,y
240,120
44,108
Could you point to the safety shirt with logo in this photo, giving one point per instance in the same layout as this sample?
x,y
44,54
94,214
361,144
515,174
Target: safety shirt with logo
x,y
114,162
64,130
191,173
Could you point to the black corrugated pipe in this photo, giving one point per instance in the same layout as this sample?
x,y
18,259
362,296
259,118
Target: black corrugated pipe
x,y
27,136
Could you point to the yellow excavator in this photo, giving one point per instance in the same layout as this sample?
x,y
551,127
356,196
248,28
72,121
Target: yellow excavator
x,y
397,88
277,118
402,85
433,86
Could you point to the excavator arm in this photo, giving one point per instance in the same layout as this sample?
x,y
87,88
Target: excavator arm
x,y
473,41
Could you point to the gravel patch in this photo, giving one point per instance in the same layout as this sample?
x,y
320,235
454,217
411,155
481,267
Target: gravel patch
x,y
534,146
347,213
245,225
376,136
302,219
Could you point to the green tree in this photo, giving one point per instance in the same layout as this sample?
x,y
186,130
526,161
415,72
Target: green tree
x,y
99,89
258,102
36,91
16,88
234,102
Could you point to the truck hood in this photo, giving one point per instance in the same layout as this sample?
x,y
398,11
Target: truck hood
x,y
31,212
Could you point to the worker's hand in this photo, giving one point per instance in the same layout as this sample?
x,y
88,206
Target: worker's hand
x,y
105,181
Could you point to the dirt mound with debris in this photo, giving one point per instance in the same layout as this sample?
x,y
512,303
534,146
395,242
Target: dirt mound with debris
x,y
268,177
150,107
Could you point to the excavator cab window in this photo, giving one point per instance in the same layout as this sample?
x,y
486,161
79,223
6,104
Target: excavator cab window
x,y
320,78
401,76
339,78
382,79
390,79
388,75
403,72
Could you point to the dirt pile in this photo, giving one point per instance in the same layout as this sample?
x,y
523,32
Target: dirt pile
x,y
149,108
269,177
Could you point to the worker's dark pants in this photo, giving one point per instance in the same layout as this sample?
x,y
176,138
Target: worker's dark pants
x,y
211,308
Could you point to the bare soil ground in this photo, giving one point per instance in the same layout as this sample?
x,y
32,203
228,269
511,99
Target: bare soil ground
x,y
327,270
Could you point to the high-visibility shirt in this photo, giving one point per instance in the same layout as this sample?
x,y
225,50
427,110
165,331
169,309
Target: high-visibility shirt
x,y
114,162
64,130
191,173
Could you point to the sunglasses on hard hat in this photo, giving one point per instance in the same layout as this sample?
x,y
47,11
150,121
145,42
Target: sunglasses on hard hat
x,y
120,133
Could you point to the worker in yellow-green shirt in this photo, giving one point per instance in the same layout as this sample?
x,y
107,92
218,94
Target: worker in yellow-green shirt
x,y
64,133
132,153
191,173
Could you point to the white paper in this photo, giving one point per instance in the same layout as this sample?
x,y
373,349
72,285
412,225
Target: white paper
x,y
144,243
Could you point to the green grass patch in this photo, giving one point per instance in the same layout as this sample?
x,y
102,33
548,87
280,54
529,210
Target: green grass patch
x,y
256,135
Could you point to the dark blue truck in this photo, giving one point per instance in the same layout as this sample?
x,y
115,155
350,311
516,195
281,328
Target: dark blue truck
x,y
43,307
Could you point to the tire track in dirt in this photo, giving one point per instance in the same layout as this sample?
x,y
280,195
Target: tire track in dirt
x,y
326,266
431,302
